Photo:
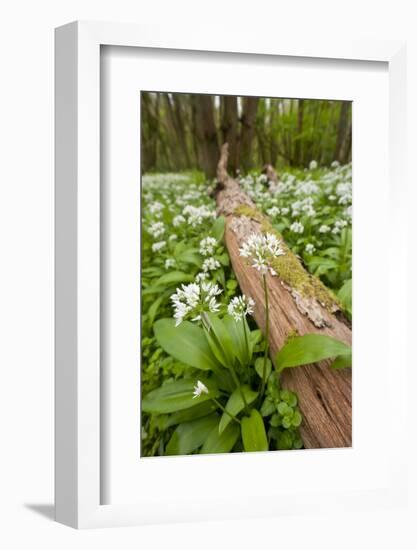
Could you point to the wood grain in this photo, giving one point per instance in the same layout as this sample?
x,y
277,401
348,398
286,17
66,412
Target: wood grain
x,y
325,395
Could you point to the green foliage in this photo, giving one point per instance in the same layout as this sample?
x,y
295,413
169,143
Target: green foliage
x,y
189,436
187,343
307,349
175,396
253,432
235,405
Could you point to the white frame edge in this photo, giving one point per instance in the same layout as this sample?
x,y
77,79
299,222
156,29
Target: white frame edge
x,y
77,229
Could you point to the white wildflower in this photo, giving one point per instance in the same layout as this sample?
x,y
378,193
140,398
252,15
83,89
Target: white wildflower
x,y
284,211
335,164
156,247
207,246
313,165
169,262
297,227
332,197
310,248
240,306
191,300
274,211
210,264
201,277
173,237
156,229
324,229
178,220
199,388
261,249
156,208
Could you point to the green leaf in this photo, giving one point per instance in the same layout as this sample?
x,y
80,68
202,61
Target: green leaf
x,y
219,339
259,367
320,265
186,342
253,433
345,295
235,404
190,256
218,228
197,411
307,349
221,443
236,330
191,435
153,309
176,396
342,361
174,277
223,259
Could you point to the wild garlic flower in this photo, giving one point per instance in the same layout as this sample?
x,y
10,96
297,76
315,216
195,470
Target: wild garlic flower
x,y
169,262
193,299
197,214
310,248
260,250
156,208
324,229
274,211
207,246
313,165
240,306
199,389
202,276
297,227
210,264
156,247
156,229
178,220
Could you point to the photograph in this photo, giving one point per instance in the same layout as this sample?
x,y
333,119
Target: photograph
x,y
246,274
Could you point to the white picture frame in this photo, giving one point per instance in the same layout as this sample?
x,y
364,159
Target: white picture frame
x,y
78,404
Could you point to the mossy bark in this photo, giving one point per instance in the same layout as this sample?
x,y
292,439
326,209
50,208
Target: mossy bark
x,y
299,303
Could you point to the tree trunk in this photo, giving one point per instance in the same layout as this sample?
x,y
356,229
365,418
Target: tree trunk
x,y
248,119
325,395
206,134
342,132
298,143
229,128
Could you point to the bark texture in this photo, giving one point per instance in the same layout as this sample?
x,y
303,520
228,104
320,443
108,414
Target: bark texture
x,y
325,395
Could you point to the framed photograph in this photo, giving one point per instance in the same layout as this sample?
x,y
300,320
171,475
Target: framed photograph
x,y
221,350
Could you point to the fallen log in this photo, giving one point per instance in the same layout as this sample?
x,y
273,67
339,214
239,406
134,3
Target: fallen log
x,y
299,303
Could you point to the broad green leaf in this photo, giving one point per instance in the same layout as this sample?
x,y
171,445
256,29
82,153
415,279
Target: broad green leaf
x,y
259,367
190,256
253,432
219,339
310,348
320,265
176,396
236,330
342,361
153,309
345,295
235,404
186,342
193,413
191,435
221,443
224,258
218,228
174,277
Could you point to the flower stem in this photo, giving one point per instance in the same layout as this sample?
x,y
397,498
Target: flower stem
x,y
236,380
247,347
265,286
225,411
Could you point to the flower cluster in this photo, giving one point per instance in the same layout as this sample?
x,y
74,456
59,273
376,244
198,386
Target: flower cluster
x,y
210,264
260,250
193,299
208,246
240,306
